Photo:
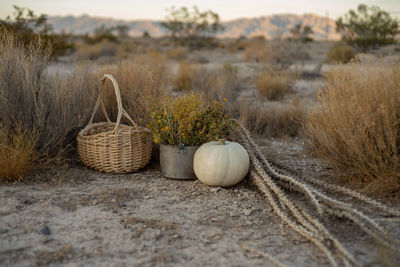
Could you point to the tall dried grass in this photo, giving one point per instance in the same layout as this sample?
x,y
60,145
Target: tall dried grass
x,y
54,106
95,51
221,83
274,120
177,53
340,53
185,77
276,54
257,50
357,125
17,152
274,85
143,83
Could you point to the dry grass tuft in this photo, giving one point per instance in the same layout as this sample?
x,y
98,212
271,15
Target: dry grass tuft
x,y
177,53
274,120
357,126
340,53
184,78
95,51
220,84
53,106
274,85
143,84
257,50
17,153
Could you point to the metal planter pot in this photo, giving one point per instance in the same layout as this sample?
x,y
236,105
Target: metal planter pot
x,y
177,161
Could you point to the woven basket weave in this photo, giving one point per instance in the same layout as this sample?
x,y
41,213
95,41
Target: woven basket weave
x,y
114,147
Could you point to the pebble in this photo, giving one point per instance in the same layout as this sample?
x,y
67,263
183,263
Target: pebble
x,y
215,189
247,212
27,202
46,230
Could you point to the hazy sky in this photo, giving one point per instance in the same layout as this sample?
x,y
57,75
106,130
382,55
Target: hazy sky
x,y
227,9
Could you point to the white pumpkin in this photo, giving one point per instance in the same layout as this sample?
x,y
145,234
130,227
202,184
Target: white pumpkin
x,y
221,163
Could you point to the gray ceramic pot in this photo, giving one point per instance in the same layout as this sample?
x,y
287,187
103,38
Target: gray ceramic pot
x,y
177,161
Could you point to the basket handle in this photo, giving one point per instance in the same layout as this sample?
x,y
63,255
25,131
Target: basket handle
x,y
100,103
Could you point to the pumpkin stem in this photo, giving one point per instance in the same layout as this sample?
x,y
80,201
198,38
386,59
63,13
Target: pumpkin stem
x,y
221,142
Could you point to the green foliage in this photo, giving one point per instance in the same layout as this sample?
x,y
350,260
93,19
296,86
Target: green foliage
x,y
340,53
29,27
101,34
122,31
190,120
368,27
192,28
146,34
301,33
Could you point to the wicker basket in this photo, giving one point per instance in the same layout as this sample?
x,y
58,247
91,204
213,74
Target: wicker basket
x,y
114,147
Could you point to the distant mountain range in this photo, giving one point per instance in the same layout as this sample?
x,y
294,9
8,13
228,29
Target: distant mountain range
x,y
268,26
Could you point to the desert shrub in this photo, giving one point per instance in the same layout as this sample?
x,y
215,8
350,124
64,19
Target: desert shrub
x,y
301,33
28,27
17,152
143,83
273,120
367,27
274,85
193,28
277,54
340,53
236,45
101,34
125,50
184,78
285,53
257,50
356,127
220,84
95,51
54,106
177,53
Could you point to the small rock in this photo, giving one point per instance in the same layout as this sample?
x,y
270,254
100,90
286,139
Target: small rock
x,y
215,189
247,212
46,230
27,202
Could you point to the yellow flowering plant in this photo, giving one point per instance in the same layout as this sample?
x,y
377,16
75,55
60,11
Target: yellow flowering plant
x,y
190,120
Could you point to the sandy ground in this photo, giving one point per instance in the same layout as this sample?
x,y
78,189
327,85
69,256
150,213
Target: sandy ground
x,y
78,216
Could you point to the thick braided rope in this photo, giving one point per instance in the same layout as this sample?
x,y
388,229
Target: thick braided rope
x,y
354,194
303,187
313,194
320,239
266,255
339,204
343,209
295,226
